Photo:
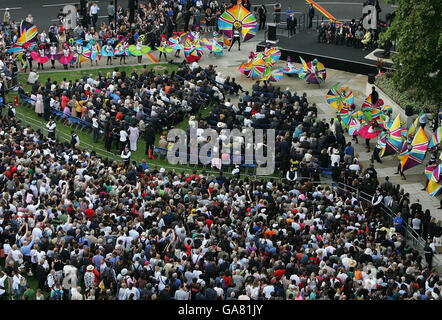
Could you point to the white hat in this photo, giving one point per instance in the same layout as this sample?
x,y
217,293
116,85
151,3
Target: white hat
x,y
124,272
90,267
162,170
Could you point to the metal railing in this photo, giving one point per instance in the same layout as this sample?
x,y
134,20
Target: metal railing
x,y
410,234
280,18
316,20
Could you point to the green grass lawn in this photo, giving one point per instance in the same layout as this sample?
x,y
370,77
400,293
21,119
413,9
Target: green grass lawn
x,y
27,114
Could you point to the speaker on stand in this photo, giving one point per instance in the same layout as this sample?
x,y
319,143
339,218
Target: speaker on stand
x,y
271,32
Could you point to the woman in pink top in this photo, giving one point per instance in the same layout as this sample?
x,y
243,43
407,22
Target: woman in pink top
x,y
298,295
67,110
134,133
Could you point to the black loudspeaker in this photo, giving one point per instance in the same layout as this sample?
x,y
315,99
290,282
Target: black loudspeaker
x,y
371,78
271,35
409,110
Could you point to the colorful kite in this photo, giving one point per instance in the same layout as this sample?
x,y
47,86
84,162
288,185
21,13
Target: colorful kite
x,y
214,46
272,75
192,50
122,49
415,124
436,137
272,53
175,42
394,139
433,186
429,170
257,67
354,126
28,35
345,116
416,155
238,17
340,98
313,71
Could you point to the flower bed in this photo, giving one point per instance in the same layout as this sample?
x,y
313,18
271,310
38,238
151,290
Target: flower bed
x,y
404,98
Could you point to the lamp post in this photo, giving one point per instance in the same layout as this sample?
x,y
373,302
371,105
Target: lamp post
x,y
115,16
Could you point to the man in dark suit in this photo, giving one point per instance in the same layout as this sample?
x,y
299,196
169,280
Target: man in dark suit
x,y
262,11
47,106
322,31
293,23
149,137
311,14
374,95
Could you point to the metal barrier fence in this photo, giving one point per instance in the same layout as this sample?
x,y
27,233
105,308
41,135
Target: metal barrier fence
x,y
280,18
410,234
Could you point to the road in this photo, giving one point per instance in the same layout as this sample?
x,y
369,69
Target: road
x,y
45,11
341,10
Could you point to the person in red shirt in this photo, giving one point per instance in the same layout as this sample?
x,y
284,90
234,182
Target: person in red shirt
x,y
89,212
279,273
227,279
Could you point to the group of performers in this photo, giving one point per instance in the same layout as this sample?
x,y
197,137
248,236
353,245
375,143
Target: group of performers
x,y
76,52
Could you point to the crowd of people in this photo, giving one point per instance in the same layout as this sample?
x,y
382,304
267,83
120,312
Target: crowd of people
x,y
87,227
145,24
126,107
351,34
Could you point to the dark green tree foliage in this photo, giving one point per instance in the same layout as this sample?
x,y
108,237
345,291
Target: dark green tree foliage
x,y
417,28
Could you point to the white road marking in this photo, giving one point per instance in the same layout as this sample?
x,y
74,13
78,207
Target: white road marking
x,y
341,3
61,4
16,8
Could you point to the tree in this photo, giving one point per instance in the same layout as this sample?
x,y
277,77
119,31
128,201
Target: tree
x,y
417,30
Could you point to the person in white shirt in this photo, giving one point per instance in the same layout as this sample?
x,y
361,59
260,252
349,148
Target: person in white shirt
x,y
335,158
3,295
51,125
125,155
122,293
123,138
33,76
268,290
94,14
7,247
16,281
76,294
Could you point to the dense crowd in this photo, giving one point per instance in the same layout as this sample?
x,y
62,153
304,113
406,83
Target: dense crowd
x,y
90,228
126,107
148,22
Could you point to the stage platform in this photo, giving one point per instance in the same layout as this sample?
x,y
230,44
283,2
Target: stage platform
x,y
340,57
